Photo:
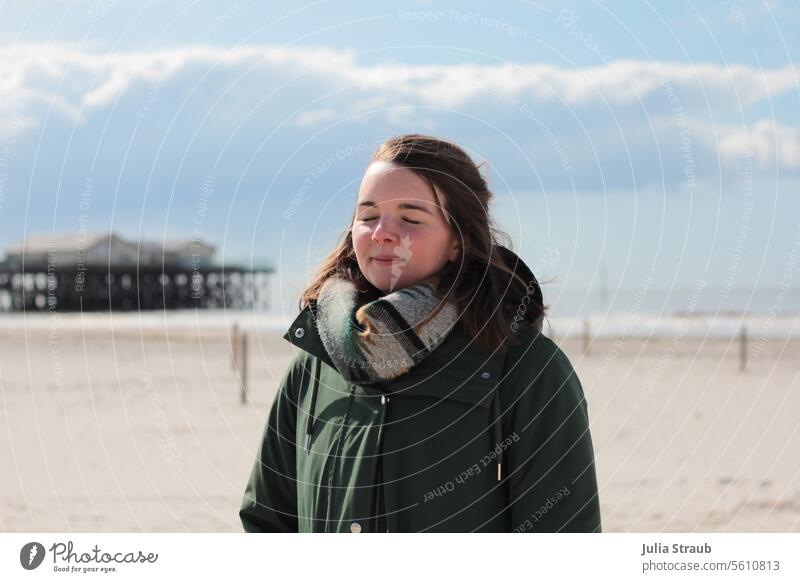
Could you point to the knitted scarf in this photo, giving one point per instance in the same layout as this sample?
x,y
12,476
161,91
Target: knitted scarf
x,y
384,338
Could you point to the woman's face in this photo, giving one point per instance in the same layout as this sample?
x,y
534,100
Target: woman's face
x,y
399,233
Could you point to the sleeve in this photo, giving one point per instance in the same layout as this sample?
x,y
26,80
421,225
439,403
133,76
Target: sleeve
x,y
270,498
551,474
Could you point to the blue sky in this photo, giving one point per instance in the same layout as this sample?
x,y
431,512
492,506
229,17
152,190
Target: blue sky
x,y
636,139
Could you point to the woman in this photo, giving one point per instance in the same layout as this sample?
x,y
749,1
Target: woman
x,y
423,396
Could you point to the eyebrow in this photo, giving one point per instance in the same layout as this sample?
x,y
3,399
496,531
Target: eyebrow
x,y
404,205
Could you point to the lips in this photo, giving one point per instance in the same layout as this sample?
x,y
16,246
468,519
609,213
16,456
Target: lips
x,y
386,259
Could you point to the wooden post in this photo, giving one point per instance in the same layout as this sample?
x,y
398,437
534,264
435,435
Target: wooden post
x,y
235,347
585,336
243,374
743,349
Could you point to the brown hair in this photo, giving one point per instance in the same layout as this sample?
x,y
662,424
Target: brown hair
x,y
491,295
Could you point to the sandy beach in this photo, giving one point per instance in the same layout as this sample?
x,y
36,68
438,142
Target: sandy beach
x,y
142,429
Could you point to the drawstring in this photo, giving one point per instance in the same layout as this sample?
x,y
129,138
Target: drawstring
x,y
312,407
498,436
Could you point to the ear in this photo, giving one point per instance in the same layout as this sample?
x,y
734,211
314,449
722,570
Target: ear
x,y
454,252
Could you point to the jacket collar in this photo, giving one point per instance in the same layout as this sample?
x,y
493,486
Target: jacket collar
x,y
474,369
303,333
469,369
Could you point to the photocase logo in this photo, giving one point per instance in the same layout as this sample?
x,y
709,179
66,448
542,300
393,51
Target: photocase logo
x,y
31,555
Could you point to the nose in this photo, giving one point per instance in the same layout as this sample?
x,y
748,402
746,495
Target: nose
x,y
384,231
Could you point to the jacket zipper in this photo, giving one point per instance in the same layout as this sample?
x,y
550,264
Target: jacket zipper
x,y
379,484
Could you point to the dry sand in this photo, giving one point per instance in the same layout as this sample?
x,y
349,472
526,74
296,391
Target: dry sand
x,y
145,431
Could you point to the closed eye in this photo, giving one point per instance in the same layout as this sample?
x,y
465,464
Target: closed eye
x,y
409,221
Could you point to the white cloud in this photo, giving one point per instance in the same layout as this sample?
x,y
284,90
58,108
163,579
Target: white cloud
x,y
316,86
91,80
29,70
769,144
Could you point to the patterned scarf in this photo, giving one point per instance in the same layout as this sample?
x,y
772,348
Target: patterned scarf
x,y
385,338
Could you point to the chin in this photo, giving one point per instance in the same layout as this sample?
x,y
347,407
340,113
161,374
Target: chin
x,y
386,287
384,284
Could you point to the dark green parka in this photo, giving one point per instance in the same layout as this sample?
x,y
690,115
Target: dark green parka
x,y
470,439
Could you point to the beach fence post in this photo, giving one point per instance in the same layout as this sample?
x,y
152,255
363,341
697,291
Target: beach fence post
x,y
743,349
585,338
243,374
235,347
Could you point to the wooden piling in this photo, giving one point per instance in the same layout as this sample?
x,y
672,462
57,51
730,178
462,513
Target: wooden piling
x,y
585,337
743,349
235,347
243,373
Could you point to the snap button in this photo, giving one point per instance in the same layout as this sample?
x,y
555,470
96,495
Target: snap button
x,y
355,527
299,332
384,400
485,375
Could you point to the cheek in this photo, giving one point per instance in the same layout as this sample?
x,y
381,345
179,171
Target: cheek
x,y
435,243
361,239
